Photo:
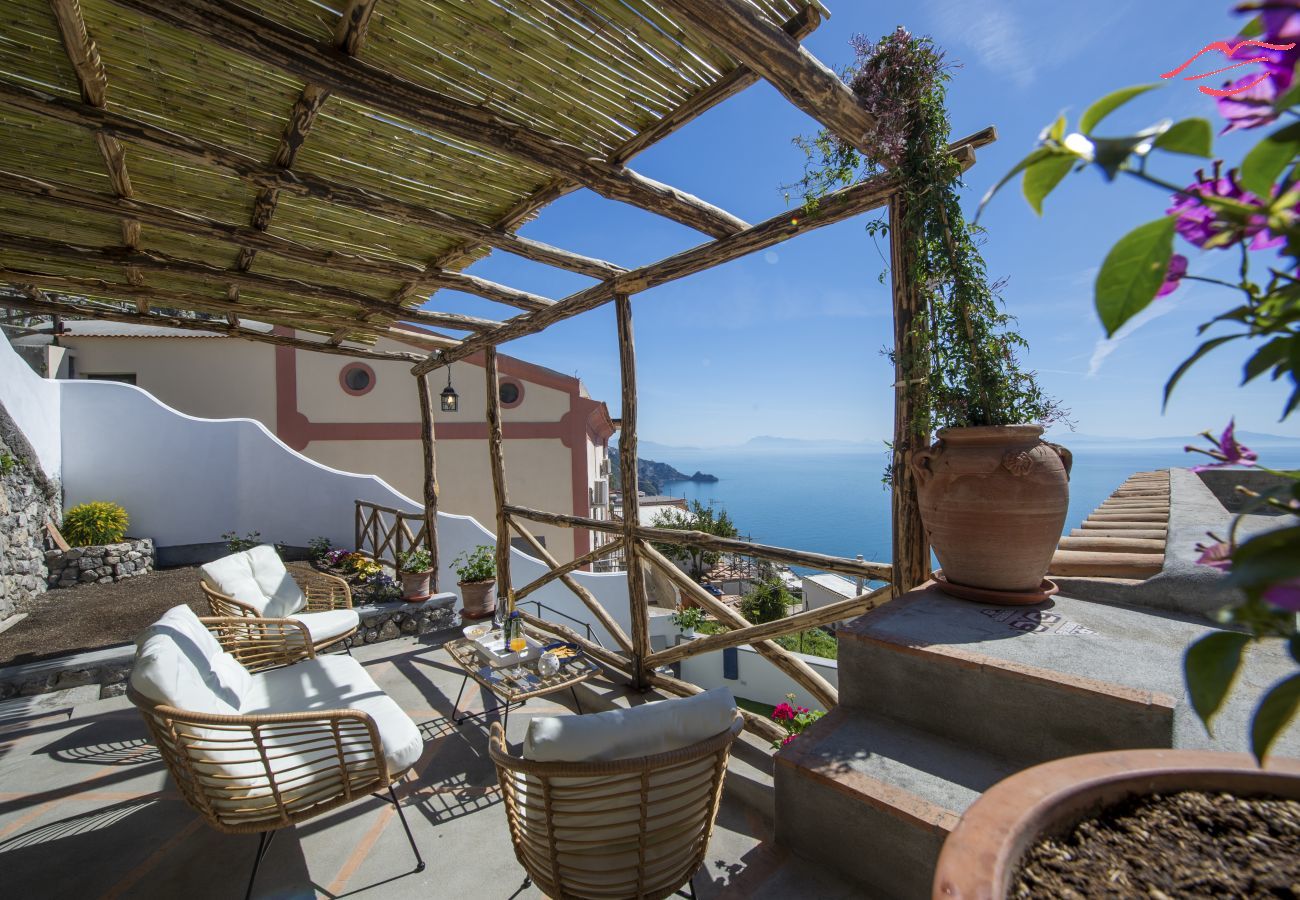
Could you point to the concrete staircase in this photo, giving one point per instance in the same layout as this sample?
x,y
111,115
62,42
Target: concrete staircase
x,y
941,698
1124,538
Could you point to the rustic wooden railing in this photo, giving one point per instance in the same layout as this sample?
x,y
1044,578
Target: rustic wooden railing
x,y
383,532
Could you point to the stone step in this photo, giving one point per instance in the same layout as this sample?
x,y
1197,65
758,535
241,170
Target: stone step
x,y
1128,516
1106,563
872,799
1140,494
951,666
1132,506
1114,544
1144,533
1119,525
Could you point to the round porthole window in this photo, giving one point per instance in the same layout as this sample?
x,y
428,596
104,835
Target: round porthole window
x,y
357,379
510,393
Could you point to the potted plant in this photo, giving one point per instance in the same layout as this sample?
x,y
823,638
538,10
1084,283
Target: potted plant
x,y
688,618
477,571
993,495
416,569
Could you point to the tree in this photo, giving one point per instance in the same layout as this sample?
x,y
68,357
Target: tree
x,y
700,518
767,601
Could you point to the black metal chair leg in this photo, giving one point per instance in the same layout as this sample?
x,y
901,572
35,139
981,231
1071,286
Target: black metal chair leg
x,y
264,839
456,706
574,691
419,860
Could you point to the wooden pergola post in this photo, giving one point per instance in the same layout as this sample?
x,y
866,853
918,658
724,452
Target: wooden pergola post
x,y
627,455
497,460
911,548
430,472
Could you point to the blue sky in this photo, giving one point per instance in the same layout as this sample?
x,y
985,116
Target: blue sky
x,y
789,342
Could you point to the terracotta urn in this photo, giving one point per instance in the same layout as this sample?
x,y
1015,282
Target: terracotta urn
x,y
478,598
416,586
993,502
980,856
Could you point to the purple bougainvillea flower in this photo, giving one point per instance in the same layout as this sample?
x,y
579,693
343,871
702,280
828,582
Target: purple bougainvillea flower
x,y
1230,452
1285,595
1198,223
1254,107
1177,269
1217,556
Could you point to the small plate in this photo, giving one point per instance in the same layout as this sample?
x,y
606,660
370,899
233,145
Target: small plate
x,y
477,630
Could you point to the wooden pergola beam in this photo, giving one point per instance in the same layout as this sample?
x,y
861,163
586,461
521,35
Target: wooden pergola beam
x,y
836,207
157,261
302,184
497,465
132,293
761,44
242,235
799,26
428,446
90,310
245,31
638,596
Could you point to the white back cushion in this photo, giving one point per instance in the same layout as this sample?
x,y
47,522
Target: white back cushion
x,y
233,576
625,733
283,596
180,663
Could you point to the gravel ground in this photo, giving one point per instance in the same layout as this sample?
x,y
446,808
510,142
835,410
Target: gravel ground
x,y
90,616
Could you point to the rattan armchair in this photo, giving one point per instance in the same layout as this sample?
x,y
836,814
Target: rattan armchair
x,y
267,770
325,605
605,830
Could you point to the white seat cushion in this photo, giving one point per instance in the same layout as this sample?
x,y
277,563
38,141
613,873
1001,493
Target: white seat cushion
x,y
283,595
233,576
626,733
329,624
179,663
337,682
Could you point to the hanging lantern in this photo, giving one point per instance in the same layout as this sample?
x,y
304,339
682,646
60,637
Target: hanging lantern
x,y
450,399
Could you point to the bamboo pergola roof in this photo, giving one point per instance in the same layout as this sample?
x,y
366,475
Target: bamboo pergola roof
x,y
329,170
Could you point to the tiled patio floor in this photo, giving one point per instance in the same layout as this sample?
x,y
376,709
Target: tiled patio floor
x,y
87,810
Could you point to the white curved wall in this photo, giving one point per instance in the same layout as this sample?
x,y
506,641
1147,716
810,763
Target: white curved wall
x,y
34,403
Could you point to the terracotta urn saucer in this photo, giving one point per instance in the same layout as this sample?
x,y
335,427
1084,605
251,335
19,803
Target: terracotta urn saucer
x,y
980,856
1001,598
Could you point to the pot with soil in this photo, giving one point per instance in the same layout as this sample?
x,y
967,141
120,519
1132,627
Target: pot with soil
x,y
416,570
1142,823
993,501
477,572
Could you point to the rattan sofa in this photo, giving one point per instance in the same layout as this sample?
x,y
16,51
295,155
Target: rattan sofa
x,y
613,828
255,583
254,753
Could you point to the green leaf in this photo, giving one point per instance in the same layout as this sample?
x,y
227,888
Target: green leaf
x,y
1210,666
1292,96
1100,109
1253,28
1132,272
1274,713
1192,137
1265,162
1266,559
1044,175
1036,155
1191,361
1266,357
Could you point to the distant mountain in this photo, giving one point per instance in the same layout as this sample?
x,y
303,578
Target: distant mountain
x,y
769,442
651,475
1249,438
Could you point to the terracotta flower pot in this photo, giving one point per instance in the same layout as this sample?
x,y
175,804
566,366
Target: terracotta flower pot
x,y
478,598
416,585
980,856
993,502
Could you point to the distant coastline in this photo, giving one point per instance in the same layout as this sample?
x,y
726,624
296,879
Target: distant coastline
x,y
652,475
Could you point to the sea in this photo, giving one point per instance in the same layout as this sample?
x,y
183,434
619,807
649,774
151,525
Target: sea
x,y
832,500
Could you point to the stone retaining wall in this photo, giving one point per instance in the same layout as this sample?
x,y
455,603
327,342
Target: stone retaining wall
x,y
386,621
102,564
27,500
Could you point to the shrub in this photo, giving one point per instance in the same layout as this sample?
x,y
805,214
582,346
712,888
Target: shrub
x,y
766,601
478,564
814,641
319,546
97,522
237,544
